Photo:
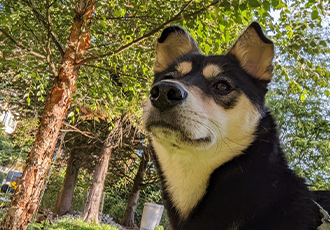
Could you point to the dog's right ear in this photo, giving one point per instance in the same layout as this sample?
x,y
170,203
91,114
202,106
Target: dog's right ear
x,y
172,44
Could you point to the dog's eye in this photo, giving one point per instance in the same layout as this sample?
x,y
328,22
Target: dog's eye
x,y
223,87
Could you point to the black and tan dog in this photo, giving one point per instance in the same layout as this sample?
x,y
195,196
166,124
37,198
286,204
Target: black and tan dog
x,y
215,143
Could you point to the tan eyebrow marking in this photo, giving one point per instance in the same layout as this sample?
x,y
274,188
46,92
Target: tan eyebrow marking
x,y
184,67
212,70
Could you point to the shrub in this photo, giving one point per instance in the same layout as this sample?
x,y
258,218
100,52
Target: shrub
x,y
74,224
2,176
53,189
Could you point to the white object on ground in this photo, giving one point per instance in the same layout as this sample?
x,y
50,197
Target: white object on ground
x,y
152,213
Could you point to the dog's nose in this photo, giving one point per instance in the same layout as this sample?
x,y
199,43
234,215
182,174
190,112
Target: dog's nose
x,y
164,95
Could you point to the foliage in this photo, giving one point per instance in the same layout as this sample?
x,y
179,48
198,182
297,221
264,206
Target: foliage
x,y
76,224
54,186
4,203
299,93
17,145
117,73
6,150
24,135
305,131
2,176
116,201
52,189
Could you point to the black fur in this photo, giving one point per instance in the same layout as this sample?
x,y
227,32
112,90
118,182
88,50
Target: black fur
x,y
256,190
166,32
257,27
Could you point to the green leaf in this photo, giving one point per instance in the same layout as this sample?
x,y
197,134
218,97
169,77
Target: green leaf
x,y
227,36
327,92
254,3
323,43
118,13
275,3
266,5
207,49
302,97
315,14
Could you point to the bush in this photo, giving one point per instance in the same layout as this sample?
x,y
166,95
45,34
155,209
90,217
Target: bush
x,y
80,191
115,206
2,176
116,195
53,189
116,201
74,224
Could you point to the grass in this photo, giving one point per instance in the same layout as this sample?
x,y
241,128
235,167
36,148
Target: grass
x,y
77,224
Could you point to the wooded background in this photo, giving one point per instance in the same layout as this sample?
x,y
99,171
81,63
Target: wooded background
x,y
77,73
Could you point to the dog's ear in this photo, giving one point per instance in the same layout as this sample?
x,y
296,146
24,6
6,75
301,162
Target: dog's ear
x,y
255,52
172,44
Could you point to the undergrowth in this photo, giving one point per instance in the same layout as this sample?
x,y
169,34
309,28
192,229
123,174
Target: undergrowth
x,y
75,224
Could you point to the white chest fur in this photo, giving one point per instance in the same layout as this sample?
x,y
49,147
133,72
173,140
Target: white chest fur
x,y
187,172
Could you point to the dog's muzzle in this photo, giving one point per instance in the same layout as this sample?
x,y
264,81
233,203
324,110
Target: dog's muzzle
x,y
165,95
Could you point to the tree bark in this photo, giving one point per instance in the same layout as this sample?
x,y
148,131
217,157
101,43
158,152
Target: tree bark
x,y
128,219
25,199
92,205
64,201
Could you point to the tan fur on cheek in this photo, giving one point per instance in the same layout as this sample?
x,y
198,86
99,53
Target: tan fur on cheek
x,y
243,119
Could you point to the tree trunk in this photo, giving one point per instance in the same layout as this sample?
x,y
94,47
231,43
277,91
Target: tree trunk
x,y
92,205
25,199
64,201
128,219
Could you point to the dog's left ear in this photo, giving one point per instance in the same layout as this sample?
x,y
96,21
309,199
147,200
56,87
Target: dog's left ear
x,y
255,52
172,44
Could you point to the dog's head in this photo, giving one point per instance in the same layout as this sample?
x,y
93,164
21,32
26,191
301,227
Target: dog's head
x,y
204,110
197,101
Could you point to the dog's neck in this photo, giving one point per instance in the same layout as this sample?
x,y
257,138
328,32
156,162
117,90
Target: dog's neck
x,y
187,171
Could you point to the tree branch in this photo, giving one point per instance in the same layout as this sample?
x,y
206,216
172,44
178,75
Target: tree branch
x,y
85,147
75,129
100,67
44,22
123,173
48,49
177,17
52,3
20,45
33,34
127,17
144,185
